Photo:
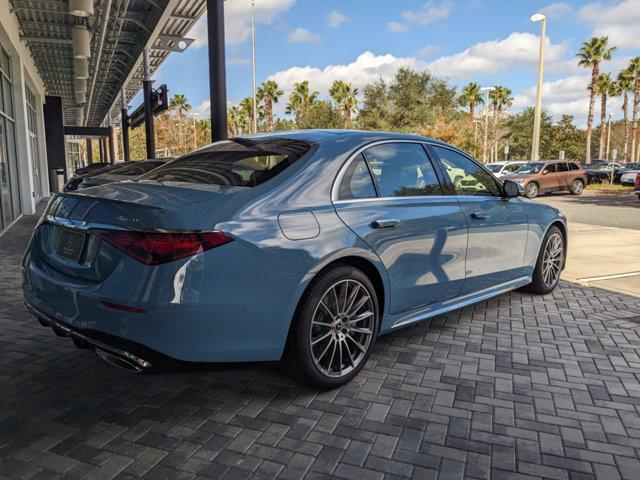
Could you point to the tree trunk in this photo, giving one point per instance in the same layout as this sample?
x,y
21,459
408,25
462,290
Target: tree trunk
x,y
347,116
472,110
603,124
592,100
268,106
625,111
634,117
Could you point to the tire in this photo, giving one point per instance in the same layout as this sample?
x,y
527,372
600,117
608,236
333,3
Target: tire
x,y
577,187
321,363
541,284
531,190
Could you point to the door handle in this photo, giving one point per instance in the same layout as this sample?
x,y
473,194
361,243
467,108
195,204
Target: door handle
x,y
384,223
479,216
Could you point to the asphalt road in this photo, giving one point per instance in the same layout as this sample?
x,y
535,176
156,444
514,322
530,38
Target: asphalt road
x,y
618,211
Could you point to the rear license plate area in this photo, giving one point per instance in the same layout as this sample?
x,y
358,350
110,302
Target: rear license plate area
x,y
70,244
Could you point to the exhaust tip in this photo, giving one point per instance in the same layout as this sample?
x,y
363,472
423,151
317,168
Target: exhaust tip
x,y
118,361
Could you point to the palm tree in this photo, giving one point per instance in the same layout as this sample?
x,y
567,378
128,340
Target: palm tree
x,y
625,83
471,96
179,103
234,118
500,98
269,93
590,55
345,96
246,106
300,100
634,71
603,88
294,107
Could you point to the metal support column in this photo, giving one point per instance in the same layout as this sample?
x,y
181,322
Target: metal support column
x,y
125,128
148,112
101,149
217,72
89,151
112,155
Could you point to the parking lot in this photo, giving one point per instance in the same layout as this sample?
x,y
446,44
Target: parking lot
x,y
518,386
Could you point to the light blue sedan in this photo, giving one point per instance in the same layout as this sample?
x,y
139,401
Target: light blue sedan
x,y
294,246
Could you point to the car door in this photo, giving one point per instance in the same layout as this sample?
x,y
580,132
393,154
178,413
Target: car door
x,y
391,196
564,176
548,178
497,227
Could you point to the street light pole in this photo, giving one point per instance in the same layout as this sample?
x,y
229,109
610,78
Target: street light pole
x,y
253,54
608,137
535,146
486,91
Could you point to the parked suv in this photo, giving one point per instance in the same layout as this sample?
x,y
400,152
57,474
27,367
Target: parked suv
x,y
549,176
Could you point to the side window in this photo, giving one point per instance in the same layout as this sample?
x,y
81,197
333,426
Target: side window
x,y
550,168
573,166
402,170
356,182
510,168
562,167
467,177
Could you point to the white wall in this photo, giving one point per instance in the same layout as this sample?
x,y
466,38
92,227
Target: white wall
x,y
24,72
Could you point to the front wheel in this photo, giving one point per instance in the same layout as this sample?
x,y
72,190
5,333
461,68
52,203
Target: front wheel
x,y
531,190
549,264
335,328
577,187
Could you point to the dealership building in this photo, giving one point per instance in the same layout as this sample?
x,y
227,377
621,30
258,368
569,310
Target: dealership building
x,y
68,71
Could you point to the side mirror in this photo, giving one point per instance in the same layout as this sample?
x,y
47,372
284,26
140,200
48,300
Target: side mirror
x,y
510,189
545,171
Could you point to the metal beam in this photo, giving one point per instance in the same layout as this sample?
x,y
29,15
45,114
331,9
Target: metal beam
x,y
217,69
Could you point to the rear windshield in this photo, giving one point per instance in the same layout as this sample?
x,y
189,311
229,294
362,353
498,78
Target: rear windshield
x,y
135,168
239,163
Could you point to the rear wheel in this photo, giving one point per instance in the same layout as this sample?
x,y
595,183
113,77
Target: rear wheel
x,y
335,328
577,187
546,274
531,190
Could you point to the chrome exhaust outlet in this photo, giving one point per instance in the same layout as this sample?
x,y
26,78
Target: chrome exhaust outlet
x,y
119,362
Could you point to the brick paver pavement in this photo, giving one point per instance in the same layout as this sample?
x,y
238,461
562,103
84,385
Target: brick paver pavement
x,y
516,387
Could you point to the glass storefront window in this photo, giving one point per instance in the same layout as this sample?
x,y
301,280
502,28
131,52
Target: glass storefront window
x,y
9,181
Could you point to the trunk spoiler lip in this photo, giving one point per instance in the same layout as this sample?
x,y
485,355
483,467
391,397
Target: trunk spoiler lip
x,y
83,195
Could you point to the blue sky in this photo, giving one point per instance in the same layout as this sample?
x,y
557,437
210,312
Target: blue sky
x,y
490,42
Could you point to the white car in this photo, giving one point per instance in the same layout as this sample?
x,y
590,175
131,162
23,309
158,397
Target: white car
x,y
629,177
504,168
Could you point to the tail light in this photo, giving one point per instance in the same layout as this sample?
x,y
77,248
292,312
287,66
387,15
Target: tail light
x,y
153,248
637,184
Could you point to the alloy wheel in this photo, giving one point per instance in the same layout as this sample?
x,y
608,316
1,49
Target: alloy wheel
x,y
552,260
532,190
577,187
342,328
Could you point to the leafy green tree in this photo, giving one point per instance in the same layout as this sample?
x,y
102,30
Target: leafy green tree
x,y
180,104
565,136
591,54
322,114
236,120
294,107
345,96
470,96
282,124
519,132
373,109
269,93
625,84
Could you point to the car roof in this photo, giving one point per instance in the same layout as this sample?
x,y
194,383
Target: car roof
x,y
322,135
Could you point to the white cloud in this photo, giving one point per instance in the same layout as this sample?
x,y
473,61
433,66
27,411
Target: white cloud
x,y
238,20
365,69
517,50
429,13
620,22
397,27
556,10
568,96
300,35
204,109
335,19
428,50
